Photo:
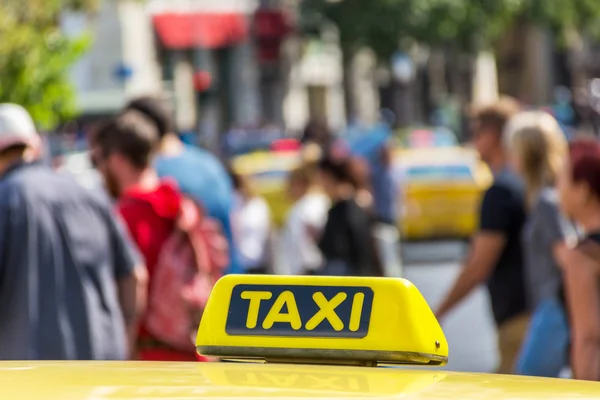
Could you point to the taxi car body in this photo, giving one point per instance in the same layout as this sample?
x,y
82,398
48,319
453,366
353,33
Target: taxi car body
x,y
294,337
441,185
192,381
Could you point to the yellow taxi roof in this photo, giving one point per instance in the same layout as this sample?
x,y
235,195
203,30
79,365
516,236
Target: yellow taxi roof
x,y
435,155
265,161
172,381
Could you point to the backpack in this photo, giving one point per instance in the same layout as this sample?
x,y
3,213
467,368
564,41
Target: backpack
x,y
190,262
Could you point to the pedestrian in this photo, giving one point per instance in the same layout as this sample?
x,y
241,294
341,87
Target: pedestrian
x,y
360,170
386,205
579,192
496,256
198,173
305,222
251,222
71,285
538,148
317,132
160,219
385,187
347,241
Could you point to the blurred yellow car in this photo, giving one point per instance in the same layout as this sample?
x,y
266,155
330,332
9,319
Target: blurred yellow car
x,y
268,172
441,191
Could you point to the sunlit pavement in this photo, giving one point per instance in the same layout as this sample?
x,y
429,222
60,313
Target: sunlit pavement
x,y
470,331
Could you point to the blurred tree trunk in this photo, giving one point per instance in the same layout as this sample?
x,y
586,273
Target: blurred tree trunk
x,y
537,81
525,64
347,83
577,59
436,70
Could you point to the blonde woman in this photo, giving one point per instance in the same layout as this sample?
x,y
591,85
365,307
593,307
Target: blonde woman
x,y
538,149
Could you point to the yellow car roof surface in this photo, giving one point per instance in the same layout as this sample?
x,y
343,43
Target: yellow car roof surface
x,y
187,381
436,155
265,161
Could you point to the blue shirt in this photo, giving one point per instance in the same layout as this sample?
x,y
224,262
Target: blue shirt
x,y
202,176
384,192
369,144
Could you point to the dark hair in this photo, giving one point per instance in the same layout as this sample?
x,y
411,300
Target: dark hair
x,y
240,182
585,163
360,173
340,168
131,134
495,116
236,179
13,150
156,110
304,175
317,131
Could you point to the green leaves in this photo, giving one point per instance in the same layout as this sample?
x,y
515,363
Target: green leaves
x,y
466,25
35,58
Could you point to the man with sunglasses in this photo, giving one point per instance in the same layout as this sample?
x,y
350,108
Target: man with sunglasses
x,y
495,257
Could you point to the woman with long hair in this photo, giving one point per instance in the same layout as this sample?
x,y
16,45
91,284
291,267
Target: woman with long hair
x,y
347,241
538,149
579,189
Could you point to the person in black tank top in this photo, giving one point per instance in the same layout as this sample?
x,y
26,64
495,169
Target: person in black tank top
x,y
496,254
579,192
347,243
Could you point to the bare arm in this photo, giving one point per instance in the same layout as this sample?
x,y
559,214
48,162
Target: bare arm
x,y
583,299
478,266
132,298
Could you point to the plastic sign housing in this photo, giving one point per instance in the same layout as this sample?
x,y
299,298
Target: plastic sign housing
x,y
321,319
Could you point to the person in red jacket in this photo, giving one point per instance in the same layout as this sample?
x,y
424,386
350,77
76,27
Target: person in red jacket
x,y
123,150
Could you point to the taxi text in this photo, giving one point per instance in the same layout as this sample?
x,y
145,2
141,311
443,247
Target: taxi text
x,y
271,310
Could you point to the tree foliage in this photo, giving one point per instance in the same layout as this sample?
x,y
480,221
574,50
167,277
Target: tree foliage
x,y
464,24
35,57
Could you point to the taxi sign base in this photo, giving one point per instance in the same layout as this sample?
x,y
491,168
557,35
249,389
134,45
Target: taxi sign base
x,y
319,356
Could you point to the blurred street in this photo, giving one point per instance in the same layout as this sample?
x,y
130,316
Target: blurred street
x,y
432,267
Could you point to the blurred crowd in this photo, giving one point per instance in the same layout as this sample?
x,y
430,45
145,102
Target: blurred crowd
x,y
537,247
125,273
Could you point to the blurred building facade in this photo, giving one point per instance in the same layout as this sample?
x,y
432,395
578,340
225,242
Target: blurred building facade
x,y
222,63
246,63
121,62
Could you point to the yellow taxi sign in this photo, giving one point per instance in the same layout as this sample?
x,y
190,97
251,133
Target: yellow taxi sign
x,y
322,319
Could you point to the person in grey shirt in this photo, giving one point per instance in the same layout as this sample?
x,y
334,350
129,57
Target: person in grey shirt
x,y
71,286
538,149
545,228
